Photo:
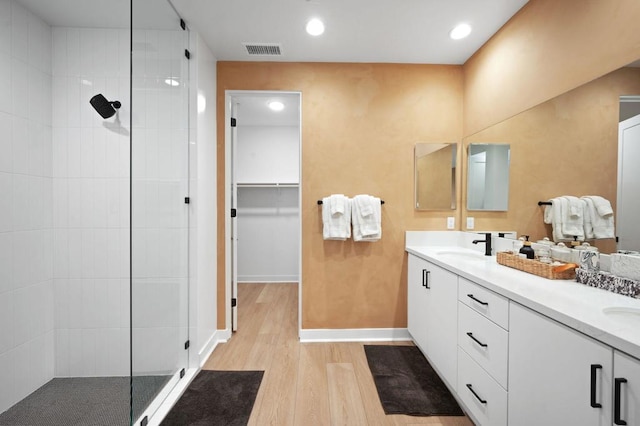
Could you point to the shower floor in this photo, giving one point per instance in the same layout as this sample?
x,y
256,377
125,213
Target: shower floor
x,y
84,401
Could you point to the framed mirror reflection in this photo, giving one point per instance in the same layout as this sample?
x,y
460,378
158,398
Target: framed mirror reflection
x,y
488,176
435,176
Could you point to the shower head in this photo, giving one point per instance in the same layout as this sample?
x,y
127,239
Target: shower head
x,y
105,108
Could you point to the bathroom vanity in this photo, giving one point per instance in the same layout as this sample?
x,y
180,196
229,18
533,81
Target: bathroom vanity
x,y
517,349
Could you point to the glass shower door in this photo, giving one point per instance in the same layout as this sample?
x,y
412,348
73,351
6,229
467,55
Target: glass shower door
x,y
159,212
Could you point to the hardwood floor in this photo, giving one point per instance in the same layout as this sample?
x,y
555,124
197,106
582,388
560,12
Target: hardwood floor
x,y
305,384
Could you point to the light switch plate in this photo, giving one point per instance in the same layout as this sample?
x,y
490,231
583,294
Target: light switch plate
x,y
470,223
451,222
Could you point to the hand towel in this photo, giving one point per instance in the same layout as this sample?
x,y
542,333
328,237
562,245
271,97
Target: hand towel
x,y
589,211
336,226
601,216
572,218
366,227
337,202
553,216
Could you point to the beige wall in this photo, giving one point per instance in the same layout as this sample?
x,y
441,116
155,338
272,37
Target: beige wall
x,y
359,126
565,146
548,48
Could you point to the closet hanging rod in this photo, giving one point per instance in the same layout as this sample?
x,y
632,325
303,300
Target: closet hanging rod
x,y
545,203
320,202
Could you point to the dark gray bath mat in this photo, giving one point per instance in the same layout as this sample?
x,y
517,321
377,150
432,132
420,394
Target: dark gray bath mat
x,y
223,398
407,384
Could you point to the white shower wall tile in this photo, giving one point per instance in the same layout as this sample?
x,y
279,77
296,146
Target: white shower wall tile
x,y
151,354
6,262
22,384
8,370
5,26
6,202
100,254
19,32
60,253
19,145
6,322
20,87
74,207
74,108
86,259
5,83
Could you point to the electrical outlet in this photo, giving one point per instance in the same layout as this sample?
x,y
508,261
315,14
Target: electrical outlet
x,y
451,222
470,223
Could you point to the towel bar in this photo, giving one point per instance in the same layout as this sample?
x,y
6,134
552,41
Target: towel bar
x,y
545,203
320,202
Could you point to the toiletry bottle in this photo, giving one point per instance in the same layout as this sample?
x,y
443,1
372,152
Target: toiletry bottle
x,y
527,249
517,245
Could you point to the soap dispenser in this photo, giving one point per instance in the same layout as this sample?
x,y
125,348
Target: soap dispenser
x,y
526,249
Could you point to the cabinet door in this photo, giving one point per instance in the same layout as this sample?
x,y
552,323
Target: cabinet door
x,y
432,315
442,322
626,389
417,300
557,376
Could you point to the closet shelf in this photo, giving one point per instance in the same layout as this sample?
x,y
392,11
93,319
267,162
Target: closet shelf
x,y
268,185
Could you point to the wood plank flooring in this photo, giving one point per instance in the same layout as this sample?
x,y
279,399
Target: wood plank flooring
x,y
305,384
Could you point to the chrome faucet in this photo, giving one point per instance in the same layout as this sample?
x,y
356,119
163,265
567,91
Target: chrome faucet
x,y
487,243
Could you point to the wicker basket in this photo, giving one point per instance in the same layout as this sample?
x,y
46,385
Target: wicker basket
x,y
566,271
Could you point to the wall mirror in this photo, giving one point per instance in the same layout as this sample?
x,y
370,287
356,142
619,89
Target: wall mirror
x,y
488,176
567,145
435,176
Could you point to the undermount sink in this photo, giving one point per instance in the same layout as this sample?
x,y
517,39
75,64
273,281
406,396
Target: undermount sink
x,y
628,315
469,255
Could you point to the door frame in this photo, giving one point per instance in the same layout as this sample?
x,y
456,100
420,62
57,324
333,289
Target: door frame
x,y
620,214
230,96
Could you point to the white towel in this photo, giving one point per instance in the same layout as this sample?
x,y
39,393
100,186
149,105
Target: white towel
x,y
337,202
572,218
367,226
601,216
589,211
553,216
336,226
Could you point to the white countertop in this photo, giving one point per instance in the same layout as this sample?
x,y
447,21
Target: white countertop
x,y
576,305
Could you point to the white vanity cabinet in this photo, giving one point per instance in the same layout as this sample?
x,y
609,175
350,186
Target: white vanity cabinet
x,y
518,350
432,315
483,340
557,376
626,388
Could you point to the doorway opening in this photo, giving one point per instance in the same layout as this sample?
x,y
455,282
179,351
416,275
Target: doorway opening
x,y
262,192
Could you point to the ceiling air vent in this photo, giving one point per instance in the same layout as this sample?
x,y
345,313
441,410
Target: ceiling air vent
x,y
263,49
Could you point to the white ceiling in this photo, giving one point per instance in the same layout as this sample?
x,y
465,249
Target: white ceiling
x,y
392,31
382,31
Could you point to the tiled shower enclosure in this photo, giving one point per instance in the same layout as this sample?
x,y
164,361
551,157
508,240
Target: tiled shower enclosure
x,y
93,221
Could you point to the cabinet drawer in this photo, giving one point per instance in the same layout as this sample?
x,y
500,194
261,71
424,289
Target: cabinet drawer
x,y
484,342
476,386
486,302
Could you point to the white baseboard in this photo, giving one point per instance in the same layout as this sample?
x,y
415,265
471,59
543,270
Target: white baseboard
x,y
354,335
268,279
219,336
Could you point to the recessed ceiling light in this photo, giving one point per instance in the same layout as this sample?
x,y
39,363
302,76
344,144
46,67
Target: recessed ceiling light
x,y
172,82
276,105
315,27
460,31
